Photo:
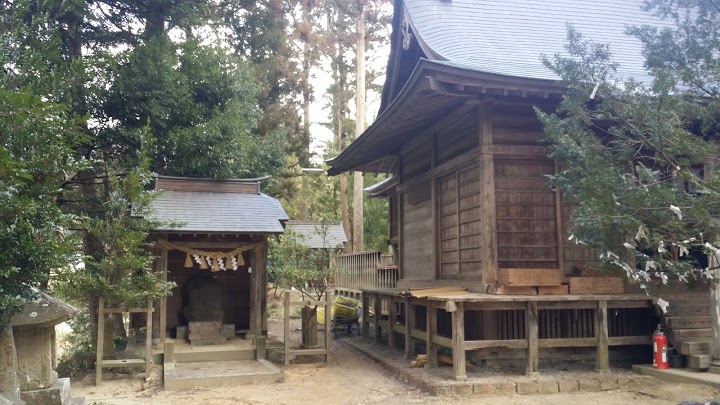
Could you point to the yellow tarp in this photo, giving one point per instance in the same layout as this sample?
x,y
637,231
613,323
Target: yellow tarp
x,y
343,309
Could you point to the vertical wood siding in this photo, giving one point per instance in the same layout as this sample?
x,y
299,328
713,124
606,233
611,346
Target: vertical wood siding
x,y
526,215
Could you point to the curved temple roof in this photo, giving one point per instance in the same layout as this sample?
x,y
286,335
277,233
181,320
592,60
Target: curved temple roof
x,y
504,41
509,37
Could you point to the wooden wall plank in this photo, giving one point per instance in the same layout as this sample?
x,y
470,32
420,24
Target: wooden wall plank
x,y
488,232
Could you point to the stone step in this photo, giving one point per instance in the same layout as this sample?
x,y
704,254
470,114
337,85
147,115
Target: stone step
x,y
699,361
688,322
224,354
690,348
690,335
220,374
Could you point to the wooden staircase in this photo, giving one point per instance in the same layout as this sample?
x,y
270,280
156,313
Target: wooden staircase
x,y
687,326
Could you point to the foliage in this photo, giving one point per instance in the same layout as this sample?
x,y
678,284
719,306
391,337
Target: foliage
x,y
36,137
78,348
636,159
291,264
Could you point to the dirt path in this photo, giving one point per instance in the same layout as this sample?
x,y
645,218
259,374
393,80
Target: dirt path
x,y
351,378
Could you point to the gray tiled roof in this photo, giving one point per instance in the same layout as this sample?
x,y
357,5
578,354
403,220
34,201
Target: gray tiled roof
x,y
317,236
198,211
509,36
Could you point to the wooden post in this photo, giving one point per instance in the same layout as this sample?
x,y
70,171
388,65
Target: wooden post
x,y
487,173
378,315
366,314
560,233
328,326
148,336
431,327
409,324
101,340
601,332
286,329
531,329
458,341
163,300
392,318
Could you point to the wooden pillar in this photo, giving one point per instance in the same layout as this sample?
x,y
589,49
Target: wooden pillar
x,y
458,340
101,340
286,327
163,300
531,330
328,326
263,309
392,318
559,223
409,325
487,173
256,293
377,308
366,315
431,327
148,336
601,332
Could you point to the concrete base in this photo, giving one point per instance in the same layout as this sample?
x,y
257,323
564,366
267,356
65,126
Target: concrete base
x,y
679,375
58,394
6,400
220,374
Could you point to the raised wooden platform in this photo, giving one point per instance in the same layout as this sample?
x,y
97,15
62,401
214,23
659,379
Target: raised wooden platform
x,y
508,322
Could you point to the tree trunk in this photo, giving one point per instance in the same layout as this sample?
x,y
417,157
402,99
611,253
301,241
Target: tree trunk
x,y
358,220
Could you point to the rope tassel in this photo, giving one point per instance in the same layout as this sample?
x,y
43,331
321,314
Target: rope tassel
x,y
188,261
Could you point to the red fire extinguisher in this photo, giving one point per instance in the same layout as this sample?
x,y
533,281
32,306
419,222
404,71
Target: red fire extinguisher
x,y
660,348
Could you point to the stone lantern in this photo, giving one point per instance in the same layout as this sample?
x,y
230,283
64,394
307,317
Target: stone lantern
x,y
34,335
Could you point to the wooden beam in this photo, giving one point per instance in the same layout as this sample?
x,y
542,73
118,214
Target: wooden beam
x,y
516,150
601,330
163,300
531,329
286,327
148,338
487,171
377,308
596,285
485,344
431,328
529,277
458,336
328,325
366,315
210,244
409,321
101,341
392,318
567,342
559,227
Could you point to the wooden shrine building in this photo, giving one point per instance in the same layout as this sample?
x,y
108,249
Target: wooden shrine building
x,y
469,201
213,246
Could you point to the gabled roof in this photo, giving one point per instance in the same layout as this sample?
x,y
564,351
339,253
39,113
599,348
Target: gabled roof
x,y
318,236
509,37
486,44
232,206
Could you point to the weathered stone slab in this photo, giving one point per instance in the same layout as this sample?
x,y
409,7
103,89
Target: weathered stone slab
x,y
527,387
568,385
58,394
548,387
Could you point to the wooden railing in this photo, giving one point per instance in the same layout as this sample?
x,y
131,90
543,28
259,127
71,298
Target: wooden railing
x,y
357,271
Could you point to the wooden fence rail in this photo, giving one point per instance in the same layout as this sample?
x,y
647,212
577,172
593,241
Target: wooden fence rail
x,y
362,270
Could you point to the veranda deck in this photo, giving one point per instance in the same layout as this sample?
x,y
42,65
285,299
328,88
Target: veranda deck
x,y
509,322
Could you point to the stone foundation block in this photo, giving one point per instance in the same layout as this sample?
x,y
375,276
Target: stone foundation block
x,y
607,384
484,389
588,384
181,333
441,391
548,387
462,390
505,389
568,385
525,388
58,394
228,330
